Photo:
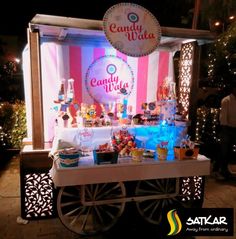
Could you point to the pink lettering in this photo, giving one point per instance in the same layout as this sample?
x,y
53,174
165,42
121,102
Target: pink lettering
x,y
85,134
113,27
133,32
113,79
109,84
108,88
133,36
131,28
93,82
112,87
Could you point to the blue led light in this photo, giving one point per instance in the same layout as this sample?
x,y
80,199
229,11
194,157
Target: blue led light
x,y
150,136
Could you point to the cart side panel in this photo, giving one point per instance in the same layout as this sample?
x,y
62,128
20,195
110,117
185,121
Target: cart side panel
x,y
37,189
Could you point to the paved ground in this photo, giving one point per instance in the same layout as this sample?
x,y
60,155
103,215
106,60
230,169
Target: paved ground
x,y
218,194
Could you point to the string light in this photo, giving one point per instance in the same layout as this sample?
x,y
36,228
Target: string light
x,y
206,124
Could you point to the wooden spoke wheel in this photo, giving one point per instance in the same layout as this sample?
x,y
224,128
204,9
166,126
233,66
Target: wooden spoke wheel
x,y
89,209
163,192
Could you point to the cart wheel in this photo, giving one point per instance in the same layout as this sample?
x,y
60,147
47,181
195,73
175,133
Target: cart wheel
x,y
82,209
152,209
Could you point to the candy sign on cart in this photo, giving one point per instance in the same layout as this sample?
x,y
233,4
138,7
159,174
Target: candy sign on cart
x,y
86,134
132,29
109,78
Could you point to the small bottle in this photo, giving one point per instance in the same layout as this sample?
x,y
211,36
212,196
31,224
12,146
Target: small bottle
x,y
61,93
124,113
65,118
70,91
172,93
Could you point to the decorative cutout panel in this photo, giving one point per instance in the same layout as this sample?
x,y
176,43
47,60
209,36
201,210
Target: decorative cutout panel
x,y
185,76
38,195
191,188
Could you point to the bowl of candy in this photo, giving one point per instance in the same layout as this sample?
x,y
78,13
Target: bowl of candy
x,y
123,142
69,157
137,154
187,150
105,154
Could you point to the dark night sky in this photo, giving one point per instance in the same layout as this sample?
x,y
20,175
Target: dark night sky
x,y
15,16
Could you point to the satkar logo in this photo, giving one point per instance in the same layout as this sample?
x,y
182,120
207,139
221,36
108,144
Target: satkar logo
x,y
201,222
175,223
210,220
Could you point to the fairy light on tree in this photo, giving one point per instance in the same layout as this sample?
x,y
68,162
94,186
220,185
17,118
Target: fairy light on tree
x,y
222,58
207,125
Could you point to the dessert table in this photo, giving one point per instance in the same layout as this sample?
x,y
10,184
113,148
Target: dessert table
x,y
89,138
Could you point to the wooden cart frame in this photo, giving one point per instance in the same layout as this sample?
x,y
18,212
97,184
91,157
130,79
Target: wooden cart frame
x,y
34,155
91,197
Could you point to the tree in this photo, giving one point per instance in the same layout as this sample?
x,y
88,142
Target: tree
x,y
218,13
11,82
222,59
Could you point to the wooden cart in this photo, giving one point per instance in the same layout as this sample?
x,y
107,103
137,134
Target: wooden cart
x,y
92,197
49,40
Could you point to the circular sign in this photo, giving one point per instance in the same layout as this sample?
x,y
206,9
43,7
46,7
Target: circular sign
x,y
108,79
132,29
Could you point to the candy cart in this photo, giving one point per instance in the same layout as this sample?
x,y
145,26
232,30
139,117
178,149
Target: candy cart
x,y
83,87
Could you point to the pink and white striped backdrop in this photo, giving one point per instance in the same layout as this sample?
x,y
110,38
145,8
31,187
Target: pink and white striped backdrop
x,y
72,61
